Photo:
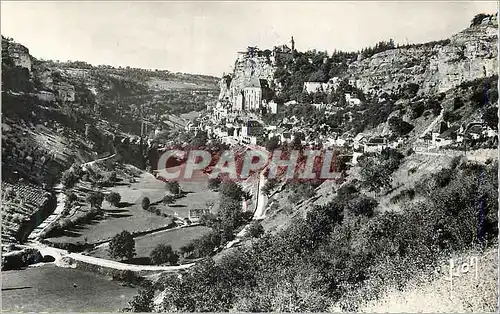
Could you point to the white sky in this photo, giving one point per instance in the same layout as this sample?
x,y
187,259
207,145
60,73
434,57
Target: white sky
x,y
203,37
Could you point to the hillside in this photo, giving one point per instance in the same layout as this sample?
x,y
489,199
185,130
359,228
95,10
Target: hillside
x,y
378,236
374,237
56,114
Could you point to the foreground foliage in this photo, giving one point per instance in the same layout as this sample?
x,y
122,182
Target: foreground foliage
x,y
345,252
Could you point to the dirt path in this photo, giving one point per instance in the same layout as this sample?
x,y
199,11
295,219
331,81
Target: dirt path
x,y
52,218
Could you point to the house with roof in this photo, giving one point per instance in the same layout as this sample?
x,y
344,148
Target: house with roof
x,y
270,106
375,144
447,137
474,130
359,141
196,214
351,100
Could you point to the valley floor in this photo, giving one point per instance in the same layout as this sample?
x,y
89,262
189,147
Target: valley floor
x,y
31,290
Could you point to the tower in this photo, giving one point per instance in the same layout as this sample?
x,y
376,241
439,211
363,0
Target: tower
x,y
293,44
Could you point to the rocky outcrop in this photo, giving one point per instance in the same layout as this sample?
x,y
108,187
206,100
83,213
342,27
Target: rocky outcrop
x,y
435,67
247,67
19,55
471,54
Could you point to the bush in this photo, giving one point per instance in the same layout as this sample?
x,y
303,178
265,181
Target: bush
x,y
478,18
272,143
270,185
154,210
143,302
213,184
491,117
163,254
168,199
399,127
113,198
417,109
449,116
363,205
408,194
122,245
301,191
457,103
95,199
145,203
255,230
69,178
71,197
231,190
173,187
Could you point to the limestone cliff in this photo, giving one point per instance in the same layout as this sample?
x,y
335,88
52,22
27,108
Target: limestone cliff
x,y
18,54
248,66
435,67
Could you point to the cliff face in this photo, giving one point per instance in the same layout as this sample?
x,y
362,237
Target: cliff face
x,y
19,54
247,67
469,55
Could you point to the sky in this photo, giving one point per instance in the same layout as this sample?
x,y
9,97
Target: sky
x,y
203,37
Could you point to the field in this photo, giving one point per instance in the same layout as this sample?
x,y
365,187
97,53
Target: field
x,y
50,289
145,244
131,217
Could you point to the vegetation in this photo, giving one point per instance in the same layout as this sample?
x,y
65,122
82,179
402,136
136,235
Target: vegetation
x,y
113,198
143,301
376,171
214,184
164,254
95,199
344,252
145,203
255,230
168,199
173,187
122,246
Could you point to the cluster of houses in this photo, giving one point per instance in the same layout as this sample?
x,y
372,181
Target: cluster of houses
x,y
442,135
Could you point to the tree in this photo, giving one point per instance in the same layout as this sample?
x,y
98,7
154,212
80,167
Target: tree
x,y
162,254
95,199
231,190
205,245
270,185
478,18
491,117
113,198
122,245
255,230
143,302
214,183
168,199
173,187
210,220
69,178
71,197
399,127
362,205
374,174
272,143
145,203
